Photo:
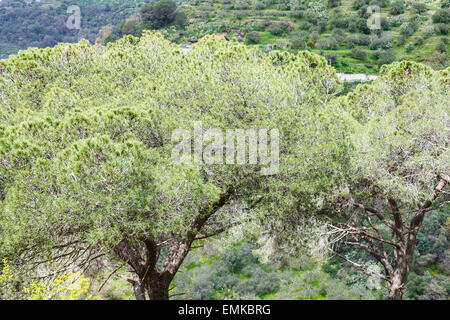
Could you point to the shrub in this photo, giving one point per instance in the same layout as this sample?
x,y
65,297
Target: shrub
x,y
407,28
111,38
363,12
203,287
299,40
409,47
180,18
260,283
339,22
358,53
380,3
380,43
419,7
363,40
396,21
276,30
384,57
353,23
297,13
305,25
351,41
314,36
385,25
259,5
401,39
441,47
363,28
323,25
357,4
129,27
312,16
338,35
441,28
418,41
252,37
329,44
397,7
441,16
242,5
333,3
428,31
331,58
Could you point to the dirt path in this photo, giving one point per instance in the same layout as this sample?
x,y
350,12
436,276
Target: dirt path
x,y
347,77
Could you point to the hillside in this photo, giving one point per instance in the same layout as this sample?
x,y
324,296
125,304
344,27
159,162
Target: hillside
x,y
43,23
336,29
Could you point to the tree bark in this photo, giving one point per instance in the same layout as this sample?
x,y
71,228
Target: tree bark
x,y
396,284
143,257
158,288
138,288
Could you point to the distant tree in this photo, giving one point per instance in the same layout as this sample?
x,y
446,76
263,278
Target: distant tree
x,y
276,29
385,25
305,25
180,18
441,28
158,14
419,7
104,32
353,23
384,56
397,7
333,3
298,40
380,3
297,13
441,16
111,38
331,58
441,47
406,29
129,27
418,41
259,5
409,47
357,4
358,53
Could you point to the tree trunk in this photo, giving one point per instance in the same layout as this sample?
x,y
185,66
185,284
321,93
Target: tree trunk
x,y
158,288
138,289
396,288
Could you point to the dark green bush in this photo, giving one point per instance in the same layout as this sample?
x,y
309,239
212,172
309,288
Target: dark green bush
x,y
358,54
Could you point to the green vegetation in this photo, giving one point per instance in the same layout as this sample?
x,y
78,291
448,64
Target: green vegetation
x,y
88,178
93,201
330,28
25,24
415,30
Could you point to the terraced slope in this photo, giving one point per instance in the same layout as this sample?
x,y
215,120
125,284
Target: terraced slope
x,y
413,30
